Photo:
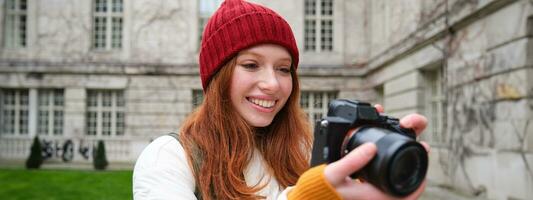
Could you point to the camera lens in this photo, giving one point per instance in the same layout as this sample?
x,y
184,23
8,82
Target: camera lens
x,y
405,169
400,165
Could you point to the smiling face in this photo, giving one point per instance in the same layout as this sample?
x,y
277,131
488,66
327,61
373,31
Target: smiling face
x,y
261,83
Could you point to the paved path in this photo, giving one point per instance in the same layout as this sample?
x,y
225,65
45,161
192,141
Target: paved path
x,y
439,193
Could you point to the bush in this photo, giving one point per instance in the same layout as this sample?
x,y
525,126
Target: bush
x,y
36,157
99,158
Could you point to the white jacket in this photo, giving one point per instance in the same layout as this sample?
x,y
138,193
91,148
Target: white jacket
x,y
162,172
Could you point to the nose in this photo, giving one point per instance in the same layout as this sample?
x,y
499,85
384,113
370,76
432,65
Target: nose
x,y
268,81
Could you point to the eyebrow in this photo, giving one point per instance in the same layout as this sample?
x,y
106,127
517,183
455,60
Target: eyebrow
x,y
286,59
250,53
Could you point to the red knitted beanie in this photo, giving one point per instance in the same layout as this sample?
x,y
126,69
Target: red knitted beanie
x,y
237,25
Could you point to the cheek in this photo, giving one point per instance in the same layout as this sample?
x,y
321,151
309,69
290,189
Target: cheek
x,y
233,89
286,87
239,82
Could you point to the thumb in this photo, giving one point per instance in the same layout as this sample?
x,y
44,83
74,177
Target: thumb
x,y
337,171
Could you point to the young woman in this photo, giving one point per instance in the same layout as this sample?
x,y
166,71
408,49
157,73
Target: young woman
x,y
249,139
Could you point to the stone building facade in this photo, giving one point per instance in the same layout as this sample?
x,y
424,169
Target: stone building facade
x,y
465,64
126,71
122,71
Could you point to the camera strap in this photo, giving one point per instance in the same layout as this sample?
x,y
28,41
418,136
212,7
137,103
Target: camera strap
x,y
196,162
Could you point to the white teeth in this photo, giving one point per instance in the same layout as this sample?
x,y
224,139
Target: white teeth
x,y
263,103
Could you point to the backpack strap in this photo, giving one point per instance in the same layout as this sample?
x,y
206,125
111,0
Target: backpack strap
x,y
196,163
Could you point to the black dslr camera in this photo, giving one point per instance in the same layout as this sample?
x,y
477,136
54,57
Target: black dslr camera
x,y
400,164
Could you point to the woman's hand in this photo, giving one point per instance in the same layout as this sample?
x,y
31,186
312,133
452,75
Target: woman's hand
x,y
338,173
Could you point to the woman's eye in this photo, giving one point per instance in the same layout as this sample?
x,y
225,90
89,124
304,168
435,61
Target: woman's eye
x,y
285,70
249,65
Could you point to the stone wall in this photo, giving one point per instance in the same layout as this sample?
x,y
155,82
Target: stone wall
x,y
481,48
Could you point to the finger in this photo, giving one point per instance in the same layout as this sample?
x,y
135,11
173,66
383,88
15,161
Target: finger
x,y
337,171
426,146
364,191
418,192
414,121
379,108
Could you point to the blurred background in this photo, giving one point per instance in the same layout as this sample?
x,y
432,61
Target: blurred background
x,y
125,72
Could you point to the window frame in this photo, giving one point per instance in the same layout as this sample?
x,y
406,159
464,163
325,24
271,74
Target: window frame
x,y
316,113
197,97
434,101
203,17
13,16
319,23
52,111
17,107
113,37
116,109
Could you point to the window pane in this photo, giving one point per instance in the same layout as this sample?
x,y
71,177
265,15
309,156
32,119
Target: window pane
x,y
326,35
10,4
42,122
22,5
320,102
10,31
317,100
99,33
197,98
206,9
8,119
23,122
43,98
120,99
310,7
22,31
327,7
91,123
106,123
107,98
120,123
116,39
317,116
310,34
92,99
331,96
58,98
9,97
58,122
92,115
201,25
434,102
117,5
100,5
304,100
24,95
23,111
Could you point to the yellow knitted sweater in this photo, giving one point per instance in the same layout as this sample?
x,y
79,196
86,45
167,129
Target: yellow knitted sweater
x,y
313,185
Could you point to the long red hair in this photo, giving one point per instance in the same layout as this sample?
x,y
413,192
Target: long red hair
x,y
225,142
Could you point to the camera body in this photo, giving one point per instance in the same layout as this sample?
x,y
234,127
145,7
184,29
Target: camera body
x,y
400,164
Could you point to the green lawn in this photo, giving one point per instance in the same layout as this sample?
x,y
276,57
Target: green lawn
x,y
64,184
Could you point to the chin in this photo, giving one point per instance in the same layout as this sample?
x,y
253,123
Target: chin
x,y
260,123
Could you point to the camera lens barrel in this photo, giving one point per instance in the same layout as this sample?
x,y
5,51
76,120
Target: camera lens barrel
x,y
400,164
